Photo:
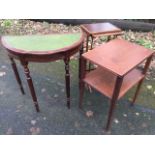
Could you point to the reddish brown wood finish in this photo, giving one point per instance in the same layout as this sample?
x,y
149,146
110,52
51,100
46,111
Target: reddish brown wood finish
x,y
104,81
101,29
115,95
14,67
141,81
81,84
44,56
117,70
118,56
30,84
80,55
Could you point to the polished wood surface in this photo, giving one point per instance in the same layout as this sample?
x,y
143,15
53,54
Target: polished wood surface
x,y
44,48
101,29
96,30
118,56
117,62
104,81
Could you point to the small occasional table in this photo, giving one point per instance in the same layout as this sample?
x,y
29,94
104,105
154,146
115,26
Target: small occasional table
x,y
117,70
99,29
42,48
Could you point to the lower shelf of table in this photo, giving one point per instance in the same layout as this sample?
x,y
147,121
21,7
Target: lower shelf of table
x,y
104,81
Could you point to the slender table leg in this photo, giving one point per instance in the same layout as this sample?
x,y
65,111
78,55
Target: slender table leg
x,y
30,84
116,91
92,40
14,67
81,84
147,64
87,48
87,42
80,55
67,77
108,38
137,91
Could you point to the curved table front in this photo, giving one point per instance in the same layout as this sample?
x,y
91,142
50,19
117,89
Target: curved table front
x,y
42,48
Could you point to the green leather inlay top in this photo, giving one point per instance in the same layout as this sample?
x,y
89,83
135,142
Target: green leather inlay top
x,y
42,42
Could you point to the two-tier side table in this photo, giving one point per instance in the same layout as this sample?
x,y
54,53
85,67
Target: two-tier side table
x,y
117,70
42,48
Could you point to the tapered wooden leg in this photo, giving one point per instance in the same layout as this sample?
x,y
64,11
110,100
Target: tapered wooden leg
x,y
67,77
92,40
81,93
147,64
80,55
137,91
116,91
81,84
30,84
87,48
14,67
87,42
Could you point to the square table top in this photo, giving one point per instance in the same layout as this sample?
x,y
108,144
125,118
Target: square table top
x,y
119,56
101,28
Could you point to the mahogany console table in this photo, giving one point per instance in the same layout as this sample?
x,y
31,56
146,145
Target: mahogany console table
x,y
117,70
42,48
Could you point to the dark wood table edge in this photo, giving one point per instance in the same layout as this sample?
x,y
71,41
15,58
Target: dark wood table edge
x,y
24,62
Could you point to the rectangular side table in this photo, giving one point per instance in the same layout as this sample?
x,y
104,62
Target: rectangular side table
x,y
99,29
117,70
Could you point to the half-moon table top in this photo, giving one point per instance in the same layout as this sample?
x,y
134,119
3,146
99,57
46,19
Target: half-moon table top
x,y
39,44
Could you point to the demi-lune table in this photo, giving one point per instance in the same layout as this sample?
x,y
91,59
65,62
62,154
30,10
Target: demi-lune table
x,y
42,48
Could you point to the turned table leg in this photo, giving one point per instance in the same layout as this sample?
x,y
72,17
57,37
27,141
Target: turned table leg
x,y
116,91
30,84
67,77
14,67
